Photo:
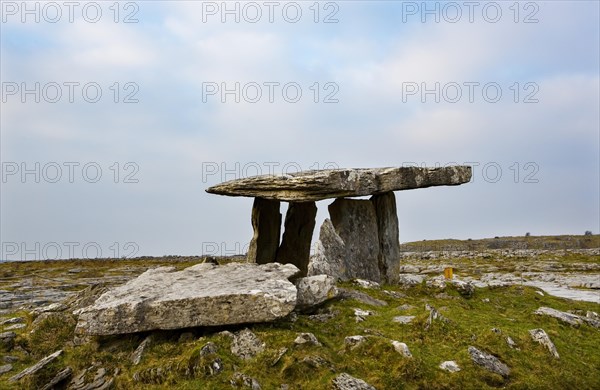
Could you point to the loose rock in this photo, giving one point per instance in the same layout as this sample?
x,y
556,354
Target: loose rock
x,y
314,290
401,348
201,295
354,341
136,356
246,344
569,318
36,367
403,319
542,337
347,382
489,362
450,365
5,368
306,339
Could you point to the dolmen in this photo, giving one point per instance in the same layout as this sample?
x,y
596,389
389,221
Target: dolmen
x,y
359,240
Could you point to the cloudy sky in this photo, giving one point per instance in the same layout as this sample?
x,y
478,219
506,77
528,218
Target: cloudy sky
x,y
115,117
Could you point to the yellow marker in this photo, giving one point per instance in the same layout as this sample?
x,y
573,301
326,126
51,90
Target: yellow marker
x,y
448,273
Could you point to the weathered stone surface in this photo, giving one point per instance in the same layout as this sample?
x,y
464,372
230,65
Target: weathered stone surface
x,y
201,295
36,367
58,378
403,319
542,337
389,241
569,318
354,341
266,224
136,356
361,297
489,362
355,222
450,365
244,381
306,339
5,368
88,380
314,290
337,183
246,344
401,348
330,251
347,382
297,235
409,280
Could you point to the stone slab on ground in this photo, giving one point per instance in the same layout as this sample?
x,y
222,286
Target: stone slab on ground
x,y
201,295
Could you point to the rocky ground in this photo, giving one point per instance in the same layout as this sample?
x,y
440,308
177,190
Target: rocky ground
x,y
504,320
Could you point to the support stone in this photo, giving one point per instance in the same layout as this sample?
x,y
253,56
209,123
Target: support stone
x,y
266,222
389,242
297,235
355,221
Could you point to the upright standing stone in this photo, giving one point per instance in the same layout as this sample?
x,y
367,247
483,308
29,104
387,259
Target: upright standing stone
x,y
297,234
389,242
355,222
266,222
330,253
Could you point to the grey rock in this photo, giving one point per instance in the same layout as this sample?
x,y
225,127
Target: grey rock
x,y
366,284
209,348
409,280
389,242
36,367
347,382
403,319
450,366
489,362
466,289
307,339
542,337
278,356
85,297
337,183
266,224
53,307
569,318
354,341
394,294
360,314
136,356
355,222
246,344
15,327
5,368
405,306
401,348
99,381
511,343
434,315
13,320
297,235
360,297
10,359
62,376
314,290
201,295
330,250
244,381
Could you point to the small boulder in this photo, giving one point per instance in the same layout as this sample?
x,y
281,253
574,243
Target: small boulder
x,y
347,382
401,348
542,337
244,381
5,368
403,319
136,356
450,366
489,362
306,339
354,341
568,318
246,344
314,290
